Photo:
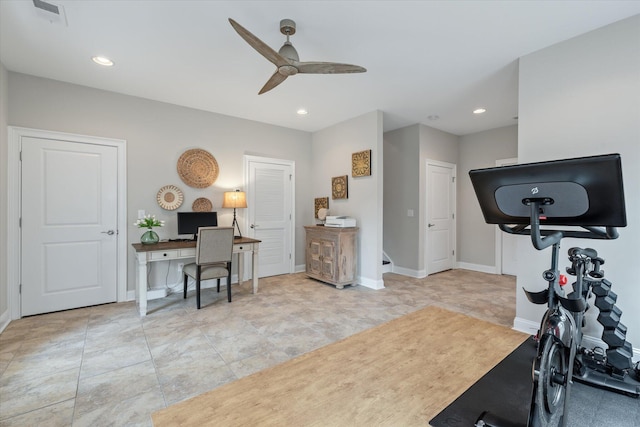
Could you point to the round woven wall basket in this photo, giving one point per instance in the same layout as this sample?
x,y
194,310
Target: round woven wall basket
x,y
202,204
169,197
198,168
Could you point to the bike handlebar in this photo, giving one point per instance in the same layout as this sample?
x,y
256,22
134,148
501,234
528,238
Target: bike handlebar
x,y
542,239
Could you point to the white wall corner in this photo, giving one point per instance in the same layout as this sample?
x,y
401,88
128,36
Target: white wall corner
x,y
5,318
477,267
371,283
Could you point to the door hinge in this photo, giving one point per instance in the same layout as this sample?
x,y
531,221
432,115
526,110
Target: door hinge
x,y
453,252
20,155
20,222
453,216
453,179
289,256
20,289
290,177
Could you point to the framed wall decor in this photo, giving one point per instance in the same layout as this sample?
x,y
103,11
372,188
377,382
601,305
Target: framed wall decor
x,y
361,163
320,202
339,187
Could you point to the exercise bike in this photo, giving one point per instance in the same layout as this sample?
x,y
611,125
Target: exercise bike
x,y
586,193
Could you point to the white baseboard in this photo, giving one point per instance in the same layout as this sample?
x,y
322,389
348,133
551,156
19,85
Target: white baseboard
x,y
370,283
491,269
5,318
526,326
300,268
418,274
588,341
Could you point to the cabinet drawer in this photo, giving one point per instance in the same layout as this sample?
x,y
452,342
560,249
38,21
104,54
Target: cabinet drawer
x,y
188,253
163,255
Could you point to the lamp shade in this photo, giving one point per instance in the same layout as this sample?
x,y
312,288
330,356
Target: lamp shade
x,y
234,199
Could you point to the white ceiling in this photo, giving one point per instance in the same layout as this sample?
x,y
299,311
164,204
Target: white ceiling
x,y
423,58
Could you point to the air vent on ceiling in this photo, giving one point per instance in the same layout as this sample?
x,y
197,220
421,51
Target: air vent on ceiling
x,y
53,13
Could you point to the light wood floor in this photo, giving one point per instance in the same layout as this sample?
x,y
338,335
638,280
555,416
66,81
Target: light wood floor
x,y
401,373
104,365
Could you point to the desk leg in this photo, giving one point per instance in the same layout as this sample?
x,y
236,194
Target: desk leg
x,y
141,283
254,268
240,267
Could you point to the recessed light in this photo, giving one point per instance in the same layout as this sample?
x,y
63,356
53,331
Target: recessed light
x,y
479,110
102,60
433,117
302,112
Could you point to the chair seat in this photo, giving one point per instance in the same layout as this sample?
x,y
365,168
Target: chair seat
x,y
210,271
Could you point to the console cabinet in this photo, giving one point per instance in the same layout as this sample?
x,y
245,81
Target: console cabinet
x,y
332,254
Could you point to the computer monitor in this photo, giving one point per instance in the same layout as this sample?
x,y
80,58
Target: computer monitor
x,y
189,222
584,191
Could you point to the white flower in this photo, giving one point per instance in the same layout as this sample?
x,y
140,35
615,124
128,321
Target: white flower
x,y
149,221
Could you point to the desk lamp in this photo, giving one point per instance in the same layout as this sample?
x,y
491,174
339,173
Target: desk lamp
x,y
235,199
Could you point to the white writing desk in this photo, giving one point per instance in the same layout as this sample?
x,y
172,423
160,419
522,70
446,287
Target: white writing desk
x,y
165,251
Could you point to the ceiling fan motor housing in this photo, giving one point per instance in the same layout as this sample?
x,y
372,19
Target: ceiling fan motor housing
x,y
288,27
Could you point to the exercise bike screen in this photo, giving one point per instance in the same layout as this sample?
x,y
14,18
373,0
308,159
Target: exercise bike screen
x,y
586,191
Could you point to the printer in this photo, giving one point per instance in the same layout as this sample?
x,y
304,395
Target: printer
x,y
340,221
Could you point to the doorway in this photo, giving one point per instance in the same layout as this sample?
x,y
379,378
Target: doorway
x,y
270,212
440,209
67,242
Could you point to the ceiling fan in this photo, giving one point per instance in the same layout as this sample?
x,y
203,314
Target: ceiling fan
x,y
287,60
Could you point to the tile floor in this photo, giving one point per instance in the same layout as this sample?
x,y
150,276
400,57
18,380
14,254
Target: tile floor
x,y
106,366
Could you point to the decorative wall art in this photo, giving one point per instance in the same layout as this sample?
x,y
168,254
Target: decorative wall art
x,y
339,187
202,204
361,163
198,168
320,202
169,197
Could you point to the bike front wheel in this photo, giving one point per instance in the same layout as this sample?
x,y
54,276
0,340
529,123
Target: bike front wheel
x,y
551,379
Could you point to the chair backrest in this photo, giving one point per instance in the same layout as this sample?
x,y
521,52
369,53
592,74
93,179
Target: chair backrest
x,y
215,244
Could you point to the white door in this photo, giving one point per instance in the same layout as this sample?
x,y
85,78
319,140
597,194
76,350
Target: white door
x,y
270,213
440,209
69,225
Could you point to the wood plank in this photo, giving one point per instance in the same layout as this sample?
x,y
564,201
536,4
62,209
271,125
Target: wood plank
x,y
403,372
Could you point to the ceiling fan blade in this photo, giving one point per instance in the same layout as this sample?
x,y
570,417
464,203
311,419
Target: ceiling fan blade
x,y
262,48
274,81
327,68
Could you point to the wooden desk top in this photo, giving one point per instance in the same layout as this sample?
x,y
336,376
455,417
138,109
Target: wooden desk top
x,y
165,245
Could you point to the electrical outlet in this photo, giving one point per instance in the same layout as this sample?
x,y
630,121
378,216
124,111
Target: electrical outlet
x,y
141,213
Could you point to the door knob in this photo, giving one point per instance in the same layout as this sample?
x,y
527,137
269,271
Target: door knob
x,y
431,225
253,226
110,232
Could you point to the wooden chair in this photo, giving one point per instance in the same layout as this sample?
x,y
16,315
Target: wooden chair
x,y
213,259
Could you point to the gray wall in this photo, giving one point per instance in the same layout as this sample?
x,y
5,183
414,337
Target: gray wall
x,y
4,102
408,150
476,239
331,153
157,134
401,187
579,98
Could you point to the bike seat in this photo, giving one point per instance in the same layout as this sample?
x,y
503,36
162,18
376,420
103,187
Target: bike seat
x,y
588,252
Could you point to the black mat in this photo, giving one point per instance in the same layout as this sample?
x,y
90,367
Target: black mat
x,y
505,391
